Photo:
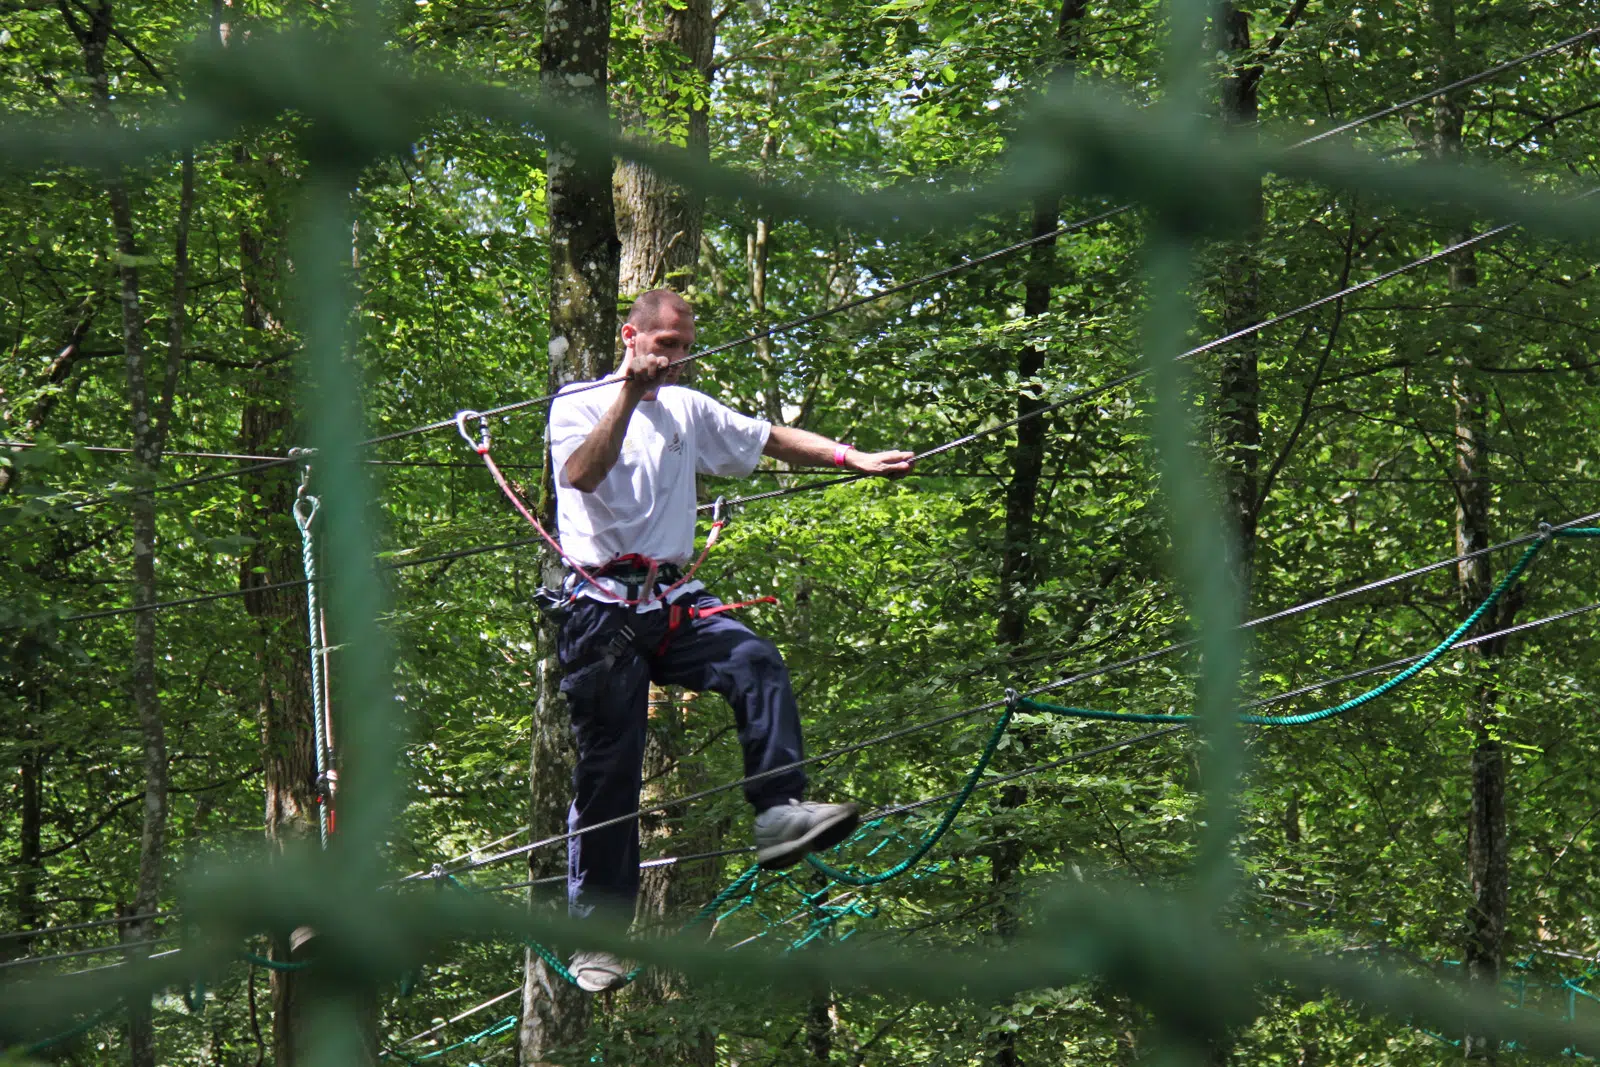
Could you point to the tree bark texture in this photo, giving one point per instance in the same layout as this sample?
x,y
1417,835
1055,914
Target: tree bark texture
x,y
660,223
584,250
1488,870
1018,563
92,27
1238,413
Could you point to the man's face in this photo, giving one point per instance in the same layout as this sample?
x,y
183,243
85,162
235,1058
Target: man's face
x,y
670,335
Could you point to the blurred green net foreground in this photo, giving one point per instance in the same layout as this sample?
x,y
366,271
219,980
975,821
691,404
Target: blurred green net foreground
x,y
352,105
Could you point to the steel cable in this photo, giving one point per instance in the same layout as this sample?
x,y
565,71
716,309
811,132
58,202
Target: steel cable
x,y
968,712
805,320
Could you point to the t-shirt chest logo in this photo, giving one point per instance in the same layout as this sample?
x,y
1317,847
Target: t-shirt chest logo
x,y
638,448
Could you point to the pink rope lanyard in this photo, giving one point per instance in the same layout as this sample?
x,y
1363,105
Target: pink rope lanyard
x,y
481,447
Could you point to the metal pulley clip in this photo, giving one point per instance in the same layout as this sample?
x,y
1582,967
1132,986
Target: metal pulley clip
x,y
304,456
717,519
481,445
305,505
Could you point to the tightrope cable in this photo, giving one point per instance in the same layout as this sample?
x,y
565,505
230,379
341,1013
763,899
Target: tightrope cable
x,y
1089,393
805,320
1420,664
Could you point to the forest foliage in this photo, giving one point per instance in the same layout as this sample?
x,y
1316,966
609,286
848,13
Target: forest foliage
x,y
1352,836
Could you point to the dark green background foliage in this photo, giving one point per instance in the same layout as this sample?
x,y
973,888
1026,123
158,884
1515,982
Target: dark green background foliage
x,y
1350,836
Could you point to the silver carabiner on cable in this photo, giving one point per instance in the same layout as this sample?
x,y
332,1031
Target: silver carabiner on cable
x,y
481,445
304,456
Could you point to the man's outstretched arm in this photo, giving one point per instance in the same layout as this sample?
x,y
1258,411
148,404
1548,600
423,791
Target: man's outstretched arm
x,y
802,448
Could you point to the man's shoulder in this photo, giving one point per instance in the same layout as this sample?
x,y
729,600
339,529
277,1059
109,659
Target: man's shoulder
x,y
586,394
594,385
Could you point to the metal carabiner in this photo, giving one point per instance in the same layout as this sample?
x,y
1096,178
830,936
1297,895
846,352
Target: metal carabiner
x,y
304,456
481,445
717,521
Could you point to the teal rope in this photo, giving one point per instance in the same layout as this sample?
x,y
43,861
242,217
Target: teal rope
x,y
303,519
930,839
274,965
67,1035
1511,578
505,1025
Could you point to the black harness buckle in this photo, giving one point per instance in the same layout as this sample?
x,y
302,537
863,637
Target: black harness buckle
x,y
552,603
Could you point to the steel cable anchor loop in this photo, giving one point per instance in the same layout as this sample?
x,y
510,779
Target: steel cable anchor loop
x,y
1546,532
305,508
481,445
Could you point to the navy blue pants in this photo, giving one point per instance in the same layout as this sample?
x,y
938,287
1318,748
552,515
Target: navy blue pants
x,y
610,654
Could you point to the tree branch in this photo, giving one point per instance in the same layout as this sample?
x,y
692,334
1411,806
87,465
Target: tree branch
x,y
138,798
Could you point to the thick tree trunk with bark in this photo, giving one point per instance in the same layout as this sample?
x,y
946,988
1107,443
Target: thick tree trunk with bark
x,y
282,653
659,225
583,324
658,222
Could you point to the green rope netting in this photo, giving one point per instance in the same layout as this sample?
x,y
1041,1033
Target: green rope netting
x,y
1512,577
357,103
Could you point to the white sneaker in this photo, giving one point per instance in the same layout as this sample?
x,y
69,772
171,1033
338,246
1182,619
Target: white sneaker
x,y
599,972
784,834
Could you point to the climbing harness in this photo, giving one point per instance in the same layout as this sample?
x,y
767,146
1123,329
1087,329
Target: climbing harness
x,y
677,614
305,510
550,601
1547,533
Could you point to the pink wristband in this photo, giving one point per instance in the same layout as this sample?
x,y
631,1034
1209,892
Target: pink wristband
x,y
839,452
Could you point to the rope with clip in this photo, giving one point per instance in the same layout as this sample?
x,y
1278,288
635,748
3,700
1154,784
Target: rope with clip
x,y
305,510
552,602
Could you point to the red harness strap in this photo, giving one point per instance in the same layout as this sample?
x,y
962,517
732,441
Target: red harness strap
x,y
677,613
481,446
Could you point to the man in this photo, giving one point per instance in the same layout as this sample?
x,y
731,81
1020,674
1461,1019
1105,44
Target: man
x,y
625,456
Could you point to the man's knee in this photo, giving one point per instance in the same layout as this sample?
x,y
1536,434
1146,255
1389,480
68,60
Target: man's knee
x,y
753,656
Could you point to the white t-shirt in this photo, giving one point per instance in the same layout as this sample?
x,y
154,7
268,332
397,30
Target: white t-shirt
x,y
646,503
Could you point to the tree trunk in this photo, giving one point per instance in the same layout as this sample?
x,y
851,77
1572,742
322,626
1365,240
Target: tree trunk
x,y
1018,564
1239,382
1488,872
819,1028
758,251
660,226
583,325
658,222
144,411
30,839
282,647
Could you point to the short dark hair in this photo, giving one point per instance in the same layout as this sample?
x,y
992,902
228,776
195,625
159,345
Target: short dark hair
x,y
647,308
